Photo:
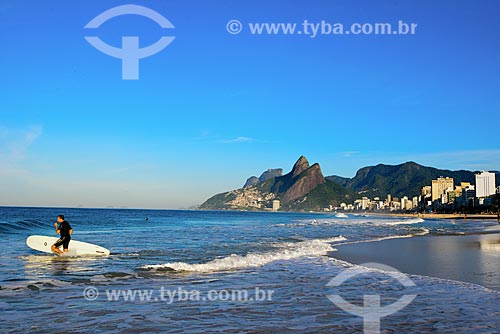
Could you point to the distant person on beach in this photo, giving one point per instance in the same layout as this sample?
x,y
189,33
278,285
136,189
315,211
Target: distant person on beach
x,y
63,228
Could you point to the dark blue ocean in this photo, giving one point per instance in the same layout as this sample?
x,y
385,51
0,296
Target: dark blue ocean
x,y
222,272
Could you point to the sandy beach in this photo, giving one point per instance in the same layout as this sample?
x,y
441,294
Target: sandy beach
x,y
472,258
489,217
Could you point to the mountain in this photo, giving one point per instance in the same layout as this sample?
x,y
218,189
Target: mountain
x,y
398,180
268,174
299,182
251,181
303,188
343,181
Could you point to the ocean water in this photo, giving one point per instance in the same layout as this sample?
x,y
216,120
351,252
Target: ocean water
x,y
221,272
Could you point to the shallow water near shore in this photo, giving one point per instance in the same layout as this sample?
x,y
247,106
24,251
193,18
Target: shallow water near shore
x,y
473,258
282,261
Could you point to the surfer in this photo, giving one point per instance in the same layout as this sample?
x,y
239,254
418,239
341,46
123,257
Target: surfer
x,y
65,231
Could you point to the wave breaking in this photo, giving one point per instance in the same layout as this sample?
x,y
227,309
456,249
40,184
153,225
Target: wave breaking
x,y
284,251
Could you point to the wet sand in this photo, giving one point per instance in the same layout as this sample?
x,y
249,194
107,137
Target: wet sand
x,y
473,258
489,217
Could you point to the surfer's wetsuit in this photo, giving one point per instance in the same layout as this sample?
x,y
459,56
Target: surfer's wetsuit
x,y
65,236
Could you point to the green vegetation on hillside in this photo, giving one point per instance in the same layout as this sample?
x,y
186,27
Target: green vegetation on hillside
x,y
324,195
218,201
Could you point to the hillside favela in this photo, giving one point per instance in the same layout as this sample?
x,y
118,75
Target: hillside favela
x,y
405,188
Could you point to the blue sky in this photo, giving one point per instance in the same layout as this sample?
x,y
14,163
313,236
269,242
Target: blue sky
x,y
214,108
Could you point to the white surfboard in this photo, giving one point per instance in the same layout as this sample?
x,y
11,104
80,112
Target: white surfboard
x,y
76,248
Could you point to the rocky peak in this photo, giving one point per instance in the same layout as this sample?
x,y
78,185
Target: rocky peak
x,y
268,174
311,178
251,181
301,165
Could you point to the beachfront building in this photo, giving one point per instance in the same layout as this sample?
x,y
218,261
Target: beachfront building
x,y
485,184
464,184
459,189
415,201
468,196
362,204
440,187
365,203
406,204
395,205
276,205
426,191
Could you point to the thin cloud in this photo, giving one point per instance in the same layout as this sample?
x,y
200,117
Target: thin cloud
x,y
240,139
14,146
206,136
19,142
349,154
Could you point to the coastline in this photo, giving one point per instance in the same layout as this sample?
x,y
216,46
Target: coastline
x,y
489,217
471,258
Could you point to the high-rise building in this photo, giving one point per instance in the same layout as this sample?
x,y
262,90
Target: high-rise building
x,y
415,202
440,186
403,202
468,196
406,204
458,189
485,184
426,191
365,203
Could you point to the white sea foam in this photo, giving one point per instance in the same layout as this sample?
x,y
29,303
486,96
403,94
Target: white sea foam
x,y
284,251
307,222
423,232
343,221
405,221
385,222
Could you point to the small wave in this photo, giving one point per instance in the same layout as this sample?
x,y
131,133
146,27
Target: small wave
x,y
341,215
117,274
22,225
421,233
33,285
406,221
385,222
307,222
286,251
